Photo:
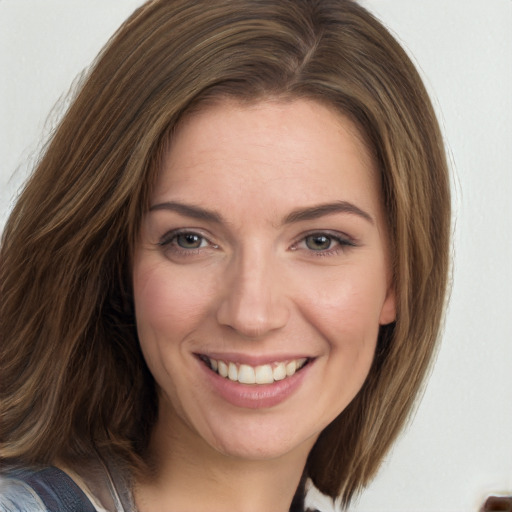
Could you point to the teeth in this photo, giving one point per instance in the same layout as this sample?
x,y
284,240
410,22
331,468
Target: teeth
x,y
246,374
290,368
280,372
232,372
263,374
223,368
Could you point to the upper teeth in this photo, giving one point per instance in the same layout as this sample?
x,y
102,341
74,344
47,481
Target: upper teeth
x,y
262,374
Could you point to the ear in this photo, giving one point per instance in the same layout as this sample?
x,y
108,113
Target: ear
x,y
388,311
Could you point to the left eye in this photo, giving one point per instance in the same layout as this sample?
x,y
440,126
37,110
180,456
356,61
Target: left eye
x,y
324,243
319,242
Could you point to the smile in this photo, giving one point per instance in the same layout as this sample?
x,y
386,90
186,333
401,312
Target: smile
x,y
261,374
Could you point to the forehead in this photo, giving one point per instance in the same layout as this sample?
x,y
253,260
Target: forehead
x,y
279,152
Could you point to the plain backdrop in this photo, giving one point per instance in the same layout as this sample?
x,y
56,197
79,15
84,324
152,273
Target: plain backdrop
x,y
458,448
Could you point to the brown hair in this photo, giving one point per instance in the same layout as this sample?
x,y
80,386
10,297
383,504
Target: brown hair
x,y
73,377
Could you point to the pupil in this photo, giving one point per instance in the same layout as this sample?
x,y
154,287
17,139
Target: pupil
x,y
189,241
318,242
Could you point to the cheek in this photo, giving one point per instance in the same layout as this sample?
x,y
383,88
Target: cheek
x,y
168,309
165,304
349,302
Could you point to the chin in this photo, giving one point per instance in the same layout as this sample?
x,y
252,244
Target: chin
x,y
263,445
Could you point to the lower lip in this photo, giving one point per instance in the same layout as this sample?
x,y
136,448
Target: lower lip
x,y
255,396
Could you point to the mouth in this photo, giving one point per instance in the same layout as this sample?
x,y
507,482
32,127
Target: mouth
x,y
254,375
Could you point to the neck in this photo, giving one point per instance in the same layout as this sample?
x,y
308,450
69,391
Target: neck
x,y
189,475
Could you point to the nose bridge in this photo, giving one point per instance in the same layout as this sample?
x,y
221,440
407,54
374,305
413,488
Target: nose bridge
x,y
254,303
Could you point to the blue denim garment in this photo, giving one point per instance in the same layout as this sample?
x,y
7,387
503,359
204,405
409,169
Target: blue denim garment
x,y
41,490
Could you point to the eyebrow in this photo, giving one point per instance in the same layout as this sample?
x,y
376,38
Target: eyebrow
x,y
321,210
188,210
298,215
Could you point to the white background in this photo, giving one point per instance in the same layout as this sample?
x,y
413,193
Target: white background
x,y
459,446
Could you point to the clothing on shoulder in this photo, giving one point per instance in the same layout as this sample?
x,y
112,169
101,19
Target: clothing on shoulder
x,y
49,489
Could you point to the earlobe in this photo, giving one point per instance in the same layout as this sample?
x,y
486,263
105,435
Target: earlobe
x,y
388,311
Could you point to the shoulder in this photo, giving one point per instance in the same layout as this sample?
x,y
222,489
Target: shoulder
x,y
18,496
46,489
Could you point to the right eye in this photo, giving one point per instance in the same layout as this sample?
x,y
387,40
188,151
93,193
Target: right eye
x,y
189,241
184,243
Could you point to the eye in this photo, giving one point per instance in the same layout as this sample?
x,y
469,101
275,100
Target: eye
x,y
324,243
319,242
185,242
190,240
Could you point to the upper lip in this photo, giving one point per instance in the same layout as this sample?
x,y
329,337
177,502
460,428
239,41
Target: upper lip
x,y
253,360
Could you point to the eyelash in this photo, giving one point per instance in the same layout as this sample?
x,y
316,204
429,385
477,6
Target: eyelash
x,y
342,243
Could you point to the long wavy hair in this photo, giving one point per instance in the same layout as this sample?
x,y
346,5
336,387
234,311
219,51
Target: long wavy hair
x,y
73,377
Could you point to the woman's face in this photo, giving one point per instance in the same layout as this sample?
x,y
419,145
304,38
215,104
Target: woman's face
x,y
262,276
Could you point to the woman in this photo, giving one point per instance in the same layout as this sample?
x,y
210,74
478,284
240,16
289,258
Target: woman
x,y
227,274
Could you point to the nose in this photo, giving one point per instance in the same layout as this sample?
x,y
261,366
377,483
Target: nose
x,y
254,302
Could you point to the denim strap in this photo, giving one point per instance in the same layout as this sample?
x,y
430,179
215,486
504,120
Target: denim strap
x,y
57,490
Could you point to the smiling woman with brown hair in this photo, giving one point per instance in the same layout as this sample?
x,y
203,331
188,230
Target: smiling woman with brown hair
x,y
227,273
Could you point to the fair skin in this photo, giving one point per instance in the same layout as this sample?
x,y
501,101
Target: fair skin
x,y
265,256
